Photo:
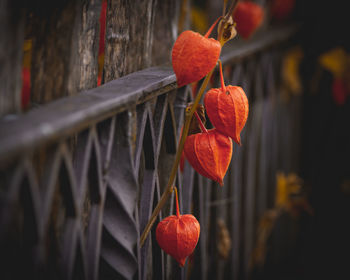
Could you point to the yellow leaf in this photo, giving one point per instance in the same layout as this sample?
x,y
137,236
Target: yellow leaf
x,y
290,70
335,61
285,186
281,190
27,53
199,20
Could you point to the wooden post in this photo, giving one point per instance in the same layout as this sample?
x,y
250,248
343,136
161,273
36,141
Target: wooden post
x,y
11,44
165,31
65,46
86,52
129,37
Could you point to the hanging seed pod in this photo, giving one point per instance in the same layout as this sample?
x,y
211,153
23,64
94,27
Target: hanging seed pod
x,y
339,92
194,55
248,17
178,234
209,153
282,9
227,108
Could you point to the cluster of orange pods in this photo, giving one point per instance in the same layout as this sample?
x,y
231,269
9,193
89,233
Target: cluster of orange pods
x,y
210,151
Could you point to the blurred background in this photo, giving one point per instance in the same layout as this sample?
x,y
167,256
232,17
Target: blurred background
x,y
287,214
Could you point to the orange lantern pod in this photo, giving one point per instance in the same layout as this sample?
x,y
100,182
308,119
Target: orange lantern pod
x,y
25,95
248,17
282,9
178,234
194,55
227,108
339,92
209,153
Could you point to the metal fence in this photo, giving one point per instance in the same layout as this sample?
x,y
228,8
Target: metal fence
x,y
80,176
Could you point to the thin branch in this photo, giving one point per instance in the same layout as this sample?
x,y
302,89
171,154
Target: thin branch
x,y
203,129
168,189
231,9
224,8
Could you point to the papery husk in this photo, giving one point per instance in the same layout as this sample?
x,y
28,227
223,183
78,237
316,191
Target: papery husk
x,y
209,153
194,56
227,110
248,17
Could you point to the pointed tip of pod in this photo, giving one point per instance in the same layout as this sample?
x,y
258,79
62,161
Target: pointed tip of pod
x,y
181,261
180,83
238,140
178,236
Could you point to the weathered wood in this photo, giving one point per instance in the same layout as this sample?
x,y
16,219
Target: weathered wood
x,y
128,37
85,57
117,39
68,115
165,30
55,28
141,34
12,20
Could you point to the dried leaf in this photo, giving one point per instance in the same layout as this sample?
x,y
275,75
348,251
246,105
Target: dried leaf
x,y
224,240
290,71
199,19
289,194
335,61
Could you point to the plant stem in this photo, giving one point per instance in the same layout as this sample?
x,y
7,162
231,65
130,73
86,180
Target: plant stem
x,y
224,7
231,9
203,129
177,203
223,88
212,27
168,189
189,115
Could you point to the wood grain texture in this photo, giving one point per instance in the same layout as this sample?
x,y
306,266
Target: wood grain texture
x,y
55,30
165,30
129,37
85,57
11,43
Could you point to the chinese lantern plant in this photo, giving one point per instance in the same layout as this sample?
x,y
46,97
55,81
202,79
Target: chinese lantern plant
x,y
193,57
282,9
248,17
178,234
209,153
227,108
